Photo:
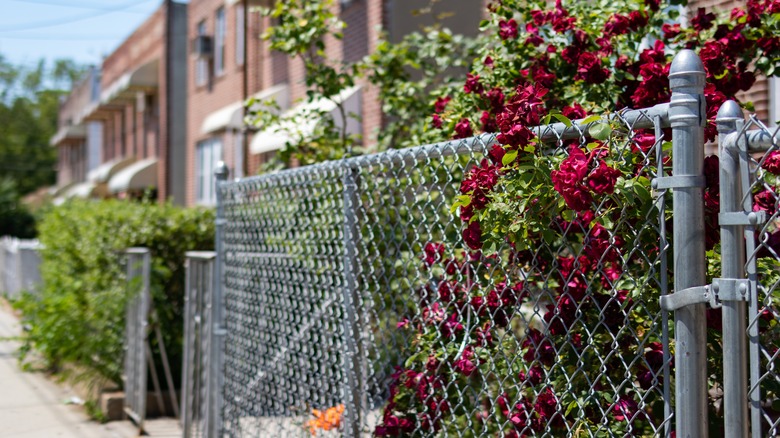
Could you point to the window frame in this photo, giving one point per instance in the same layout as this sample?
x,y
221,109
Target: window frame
x,y
240,14
220,34
208,153
201,63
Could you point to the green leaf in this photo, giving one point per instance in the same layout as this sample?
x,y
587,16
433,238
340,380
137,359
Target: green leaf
x,y
600,131
509,157
563,119
590,119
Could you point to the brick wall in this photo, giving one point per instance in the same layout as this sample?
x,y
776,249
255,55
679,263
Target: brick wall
x,y
220,90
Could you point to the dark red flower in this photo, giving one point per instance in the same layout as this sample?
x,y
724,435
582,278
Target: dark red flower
x,y
434,252
463,129
507,29
466,364
625,409
441,103
766,201
603,178
617,24
574,111
472,84
472,235
670,31
590,69
702,20
772,163
436,121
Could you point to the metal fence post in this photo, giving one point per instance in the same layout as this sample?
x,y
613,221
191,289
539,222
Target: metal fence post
x,y
352,369
732,266
214,420
687,114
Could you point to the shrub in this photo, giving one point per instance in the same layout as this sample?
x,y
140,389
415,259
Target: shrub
x,y
79,316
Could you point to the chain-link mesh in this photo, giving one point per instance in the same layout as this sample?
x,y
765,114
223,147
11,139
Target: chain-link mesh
x,y
763,266
355,306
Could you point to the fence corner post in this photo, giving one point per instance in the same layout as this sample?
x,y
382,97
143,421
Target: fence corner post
x,y
732,266
687,114
217,344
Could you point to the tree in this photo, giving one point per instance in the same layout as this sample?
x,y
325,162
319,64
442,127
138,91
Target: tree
x,y
29,104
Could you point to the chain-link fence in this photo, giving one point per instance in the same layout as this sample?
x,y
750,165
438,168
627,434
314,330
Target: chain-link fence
x,y
19,266
446,290
348,283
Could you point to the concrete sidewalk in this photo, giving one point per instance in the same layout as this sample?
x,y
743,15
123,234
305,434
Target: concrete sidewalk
x,y
32,406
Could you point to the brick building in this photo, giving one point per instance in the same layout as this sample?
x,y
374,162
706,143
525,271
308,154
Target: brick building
x,y
141,106
228,63
77,141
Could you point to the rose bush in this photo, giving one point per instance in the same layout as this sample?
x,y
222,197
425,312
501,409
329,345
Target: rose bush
x,y
546,321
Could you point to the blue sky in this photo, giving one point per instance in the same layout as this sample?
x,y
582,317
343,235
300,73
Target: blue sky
x,y
83,30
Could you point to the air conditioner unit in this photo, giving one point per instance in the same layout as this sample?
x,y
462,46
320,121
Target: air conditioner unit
x,y
202,46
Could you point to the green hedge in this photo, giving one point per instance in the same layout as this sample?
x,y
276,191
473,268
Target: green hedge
x,y
79,316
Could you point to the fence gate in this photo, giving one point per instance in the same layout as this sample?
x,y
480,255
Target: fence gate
x,y
747,293
136,323
199,390
139,319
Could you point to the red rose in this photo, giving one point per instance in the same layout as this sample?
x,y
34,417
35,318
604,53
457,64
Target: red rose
x,y
603,178
463,129
507,29
772,163
472,235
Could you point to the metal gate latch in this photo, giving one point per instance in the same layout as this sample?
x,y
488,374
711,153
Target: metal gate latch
x,y
721,289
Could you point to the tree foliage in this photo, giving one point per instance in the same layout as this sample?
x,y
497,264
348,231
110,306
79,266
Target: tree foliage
x,y
29,102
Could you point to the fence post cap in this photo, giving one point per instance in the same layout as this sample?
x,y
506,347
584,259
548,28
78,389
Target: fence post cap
x,y
730,111
221,171
687,61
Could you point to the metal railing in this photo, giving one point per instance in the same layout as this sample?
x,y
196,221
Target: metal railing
x,y
19,266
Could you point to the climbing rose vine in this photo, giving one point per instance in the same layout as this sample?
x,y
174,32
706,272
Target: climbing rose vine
x,y
543,319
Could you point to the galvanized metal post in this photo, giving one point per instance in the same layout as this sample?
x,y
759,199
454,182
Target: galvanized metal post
x,y
352,361
687,114
216,356
732,266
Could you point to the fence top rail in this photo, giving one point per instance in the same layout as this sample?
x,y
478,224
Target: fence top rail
x,y
137,250
754,140
644,118
200,255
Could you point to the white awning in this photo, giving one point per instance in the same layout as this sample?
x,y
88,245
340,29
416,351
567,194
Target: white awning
x,y
72,132
232,116
86,190
56,192
143,78
275,137
137,176
105,171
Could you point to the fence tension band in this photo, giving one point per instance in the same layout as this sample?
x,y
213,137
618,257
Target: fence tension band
x,y
678,182
721,289
742,218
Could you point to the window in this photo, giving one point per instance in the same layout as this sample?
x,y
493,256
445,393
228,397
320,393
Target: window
x,y
201,63
208,154
219,42
240,35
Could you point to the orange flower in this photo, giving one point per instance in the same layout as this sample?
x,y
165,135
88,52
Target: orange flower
x,y
330,419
